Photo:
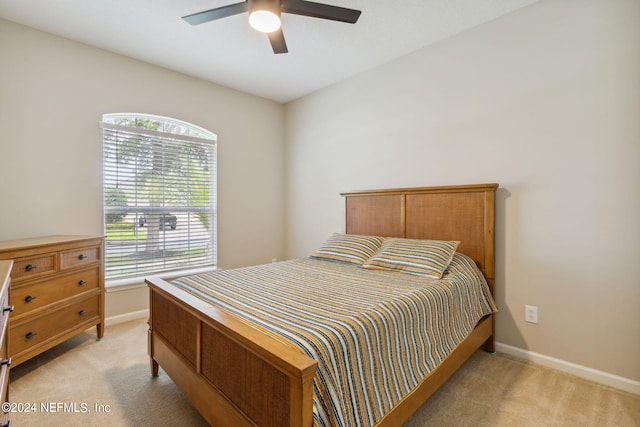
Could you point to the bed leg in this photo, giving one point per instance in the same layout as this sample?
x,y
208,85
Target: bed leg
x,y
490,344
154,364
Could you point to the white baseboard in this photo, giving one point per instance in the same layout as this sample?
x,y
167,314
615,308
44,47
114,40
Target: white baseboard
x,y
590,374
121,318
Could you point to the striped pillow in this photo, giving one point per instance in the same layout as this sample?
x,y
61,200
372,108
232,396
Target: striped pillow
x,y
351,248
422,257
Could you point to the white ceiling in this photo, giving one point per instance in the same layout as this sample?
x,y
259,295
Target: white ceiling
x,y
229,52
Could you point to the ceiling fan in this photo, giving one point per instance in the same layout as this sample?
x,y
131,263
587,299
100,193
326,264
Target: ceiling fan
x,y
264,16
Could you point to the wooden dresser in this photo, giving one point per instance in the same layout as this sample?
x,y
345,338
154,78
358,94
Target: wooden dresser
x,y
57,290
5,360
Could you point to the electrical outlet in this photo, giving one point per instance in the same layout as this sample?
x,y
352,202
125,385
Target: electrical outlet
x,y
531,314
274,260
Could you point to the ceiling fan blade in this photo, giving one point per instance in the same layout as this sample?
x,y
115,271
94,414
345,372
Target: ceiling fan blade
x,y
319,10
217,13
278,44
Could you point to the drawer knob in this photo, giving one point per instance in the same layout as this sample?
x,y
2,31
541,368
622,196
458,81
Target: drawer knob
x,y
6,362
82,313
30,335
81,257
29,298
81,282
8,308
29,267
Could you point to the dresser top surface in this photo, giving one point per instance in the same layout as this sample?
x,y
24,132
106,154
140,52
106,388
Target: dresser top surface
x,y
44,240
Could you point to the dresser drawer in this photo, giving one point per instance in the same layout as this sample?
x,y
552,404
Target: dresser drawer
x,y
28,334
33,296
34,266
78,257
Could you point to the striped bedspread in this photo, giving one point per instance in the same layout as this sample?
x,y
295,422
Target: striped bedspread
x,y
375,334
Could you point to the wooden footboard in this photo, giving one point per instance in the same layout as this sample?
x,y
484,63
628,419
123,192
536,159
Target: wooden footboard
x,y
232,372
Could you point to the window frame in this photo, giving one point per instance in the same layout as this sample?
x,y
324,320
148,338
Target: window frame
x,y
180,132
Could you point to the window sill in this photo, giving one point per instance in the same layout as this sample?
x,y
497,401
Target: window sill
x,y
116,285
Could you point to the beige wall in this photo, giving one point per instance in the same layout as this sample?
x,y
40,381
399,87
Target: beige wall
x,y
53,93
545,102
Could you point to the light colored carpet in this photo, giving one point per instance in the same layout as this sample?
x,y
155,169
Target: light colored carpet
x,y
82,376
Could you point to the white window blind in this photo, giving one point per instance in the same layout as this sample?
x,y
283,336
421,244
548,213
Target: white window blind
x,y
159,195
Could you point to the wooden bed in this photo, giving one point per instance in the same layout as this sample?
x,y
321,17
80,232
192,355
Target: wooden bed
x,y
236,374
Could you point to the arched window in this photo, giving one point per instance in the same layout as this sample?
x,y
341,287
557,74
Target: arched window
x,y
159,195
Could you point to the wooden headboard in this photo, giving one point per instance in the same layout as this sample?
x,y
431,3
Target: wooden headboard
x,y
462,212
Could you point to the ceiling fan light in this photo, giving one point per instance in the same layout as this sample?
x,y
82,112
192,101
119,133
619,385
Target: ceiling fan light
x,y
264,21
